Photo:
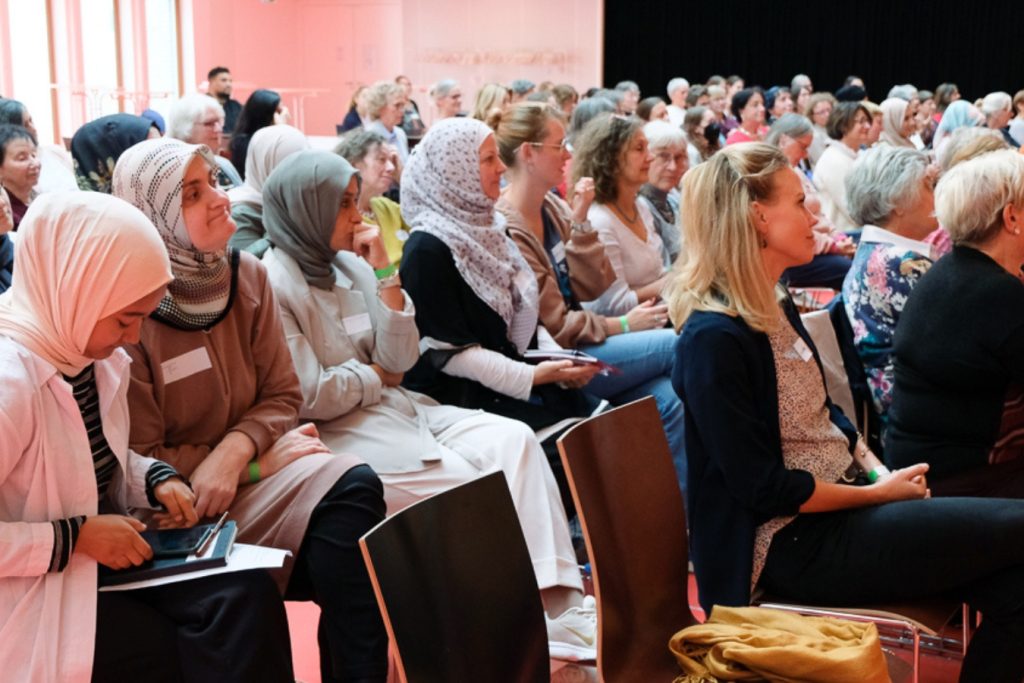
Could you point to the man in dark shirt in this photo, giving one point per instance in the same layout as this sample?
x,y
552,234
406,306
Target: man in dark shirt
x,y
220,82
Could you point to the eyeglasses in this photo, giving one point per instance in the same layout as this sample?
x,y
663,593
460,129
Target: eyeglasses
x,y
561,146
669,157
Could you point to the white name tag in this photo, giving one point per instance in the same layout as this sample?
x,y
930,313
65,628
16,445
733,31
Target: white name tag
x,y
185,365
803,350
354,324
558,251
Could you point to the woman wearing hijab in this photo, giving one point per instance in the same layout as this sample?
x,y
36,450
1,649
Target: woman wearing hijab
x,y
214,393
898,123
268,148
89,271
475,295
959,114
97,145
352,333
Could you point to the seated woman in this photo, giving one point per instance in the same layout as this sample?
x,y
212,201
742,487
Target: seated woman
x,y
475,295
768,451
56,170
749,109
268,148
613,151
262,109
199,120
376,162
667,144
898,123
567,261
385,104
793,135
960,341
98,145
351,337
849,126
19,169
891,193
6,242
819,109
214,394
959,114
703,134
492,96
64,498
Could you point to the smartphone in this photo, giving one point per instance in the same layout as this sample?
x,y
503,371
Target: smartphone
x,y
176,542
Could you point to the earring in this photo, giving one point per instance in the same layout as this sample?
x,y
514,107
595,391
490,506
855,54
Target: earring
x,y
764,242
1016,231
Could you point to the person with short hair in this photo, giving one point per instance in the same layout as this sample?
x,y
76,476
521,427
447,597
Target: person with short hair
x,y
520,89
652,109
1017,122
199,120
997,108
412,122
678,89
698,96
219,87
849,126
801,81
777,101
56,167
819,108
890,192
19,169
385,105
447,98
770,502
630,95
671,161
585,112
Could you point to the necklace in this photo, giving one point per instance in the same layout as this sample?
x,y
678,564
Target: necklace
x,y
636,212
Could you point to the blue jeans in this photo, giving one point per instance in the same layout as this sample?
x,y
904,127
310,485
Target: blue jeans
x,y
645,359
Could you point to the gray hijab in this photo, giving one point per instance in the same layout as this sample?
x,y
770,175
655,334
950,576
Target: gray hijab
x,y
301,200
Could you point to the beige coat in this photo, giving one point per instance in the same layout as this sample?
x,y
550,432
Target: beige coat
x,y
333,337
590,271
239,377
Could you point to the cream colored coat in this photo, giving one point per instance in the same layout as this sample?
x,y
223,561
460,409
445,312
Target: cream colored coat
x,y
332,344
48,619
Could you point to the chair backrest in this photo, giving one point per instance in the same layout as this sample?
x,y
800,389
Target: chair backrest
x,y
867,420
837,380
634,523
456,587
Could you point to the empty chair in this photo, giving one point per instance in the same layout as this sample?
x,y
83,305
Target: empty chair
x,y
457,590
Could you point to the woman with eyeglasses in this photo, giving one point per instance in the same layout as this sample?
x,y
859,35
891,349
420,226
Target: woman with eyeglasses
x,y
570,267
848,126
613,151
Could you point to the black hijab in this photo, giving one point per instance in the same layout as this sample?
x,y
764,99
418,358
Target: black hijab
x,y
98,145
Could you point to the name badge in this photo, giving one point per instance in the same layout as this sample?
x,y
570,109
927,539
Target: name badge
x,y
558,252
803,350
354,324
185,365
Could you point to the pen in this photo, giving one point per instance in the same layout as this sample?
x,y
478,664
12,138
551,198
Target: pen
x,y
213,532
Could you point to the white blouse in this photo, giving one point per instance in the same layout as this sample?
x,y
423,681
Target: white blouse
x,y
636,262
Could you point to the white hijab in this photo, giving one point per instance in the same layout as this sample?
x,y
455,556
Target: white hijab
x,y
442,195
268,147
82,256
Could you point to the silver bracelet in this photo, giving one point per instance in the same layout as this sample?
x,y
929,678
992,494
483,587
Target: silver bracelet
x,y
581,227
392,280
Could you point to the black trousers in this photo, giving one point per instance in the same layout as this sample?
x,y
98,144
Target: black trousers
x,y
223,628
973,547
329,570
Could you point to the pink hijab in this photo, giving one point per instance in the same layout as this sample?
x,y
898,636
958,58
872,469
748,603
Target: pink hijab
x,y
80,257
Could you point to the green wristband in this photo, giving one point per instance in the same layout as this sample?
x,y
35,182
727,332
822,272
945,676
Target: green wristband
x,y
624,323
254,471
877,473
385,272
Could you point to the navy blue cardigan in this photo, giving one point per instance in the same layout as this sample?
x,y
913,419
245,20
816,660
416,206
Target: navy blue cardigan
x,y
725,374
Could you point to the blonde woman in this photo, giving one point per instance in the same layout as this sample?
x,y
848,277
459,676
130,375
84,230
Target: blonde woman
x,y
491,97
768,452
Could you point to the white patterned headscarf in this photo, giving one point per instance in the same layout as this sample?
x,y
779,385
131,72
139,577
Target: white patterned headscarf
x,y
150,176
442,195
268,147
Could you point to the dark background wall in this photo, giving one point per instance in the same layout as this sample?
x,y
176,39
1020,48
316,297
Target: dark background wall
x,y
977,44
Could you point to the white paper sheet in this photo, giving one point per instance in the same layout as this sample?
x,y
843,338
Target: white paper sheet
x,y
242,557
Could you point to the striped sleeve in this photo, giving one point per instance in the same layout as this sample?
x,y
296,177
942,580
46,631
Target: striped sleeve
x,y
65,535
158,473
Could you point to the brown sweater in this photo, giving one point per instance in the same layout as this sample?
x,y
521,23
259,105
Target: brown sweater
x,y
590,272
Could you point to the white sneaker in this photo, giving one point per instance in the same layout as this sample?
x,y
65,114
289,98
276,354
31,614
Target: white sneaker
x,y
573,634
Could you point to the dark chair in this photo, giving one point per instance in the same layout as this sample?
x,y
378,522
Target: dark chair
x,y
456,588
634,524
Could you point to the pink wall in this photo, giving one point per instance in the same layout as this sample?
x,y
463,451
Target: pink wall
x,y
331,46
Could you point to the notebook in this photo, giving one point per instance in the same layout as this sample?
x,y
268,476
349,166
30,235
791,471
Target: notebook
x,y
216,555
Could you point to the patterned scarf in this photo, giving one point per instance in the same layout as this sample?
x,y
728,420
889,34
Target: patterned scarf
x,y
151,176
97,145
442,195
